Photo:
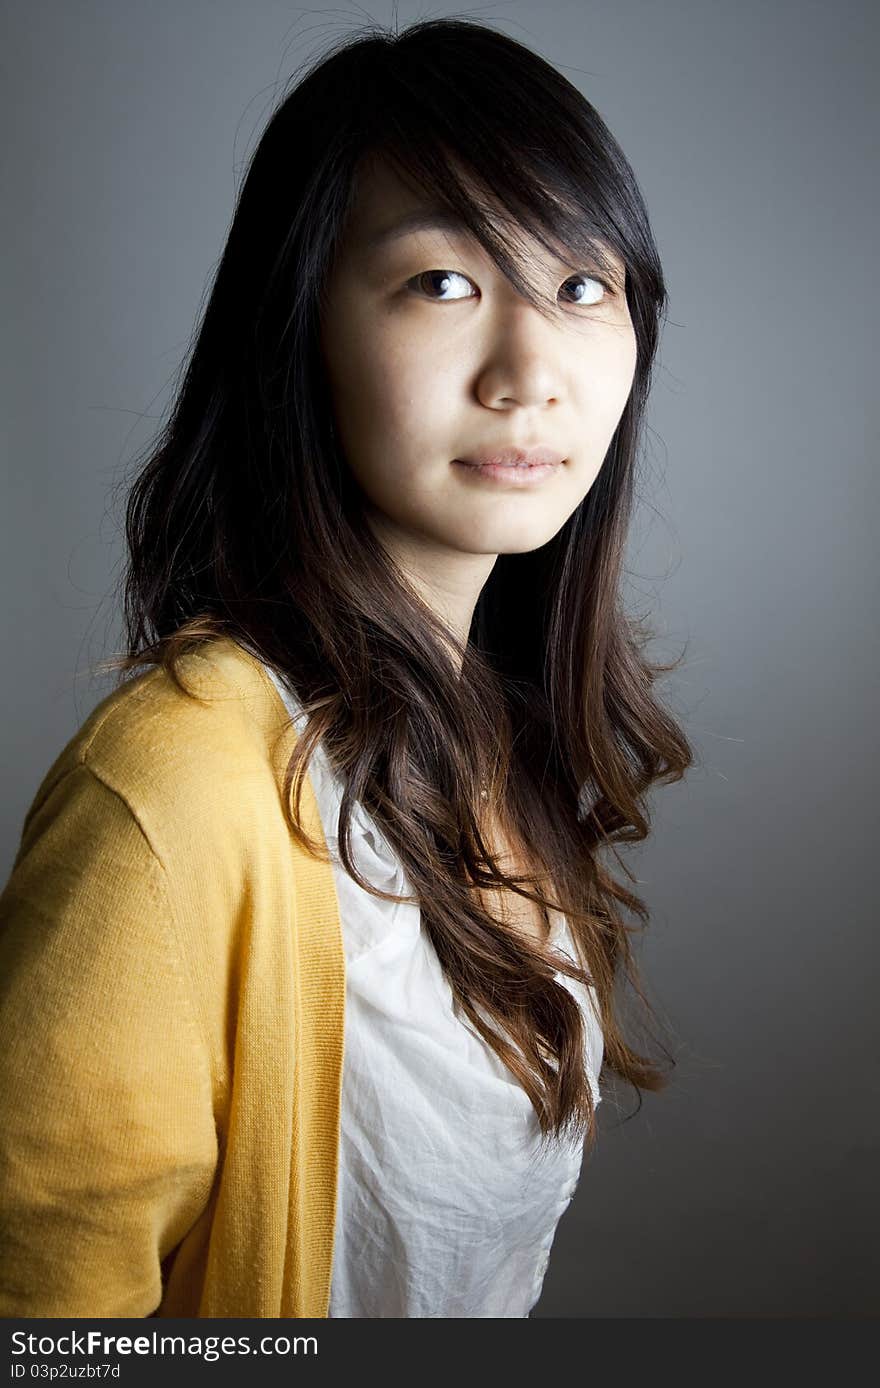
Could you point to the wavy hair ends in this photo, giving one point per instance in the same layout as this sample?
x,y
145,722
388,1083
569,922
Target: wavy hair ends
x,y
244,521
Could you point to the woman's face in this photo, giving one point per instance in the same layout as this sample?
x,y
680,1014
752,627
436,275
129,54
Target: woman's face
x,y
426,369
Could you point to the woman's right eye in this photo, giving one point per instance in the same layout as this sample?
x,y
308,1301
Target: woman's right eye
x,y
439,279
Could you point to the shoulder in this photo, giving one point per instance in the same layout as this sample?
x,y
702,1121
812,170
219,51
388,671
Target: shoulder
x,y
177,758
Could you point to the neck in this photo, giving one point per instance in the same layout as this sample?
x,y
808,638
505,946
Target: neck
x,y
449,582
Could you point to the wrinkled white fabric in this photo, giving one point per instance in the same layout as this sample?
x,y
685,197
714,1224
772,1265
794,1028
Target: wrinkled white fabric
x,y
445,1205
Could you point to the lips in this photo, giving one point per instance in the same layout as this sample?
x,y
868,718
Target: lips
x,y
539,456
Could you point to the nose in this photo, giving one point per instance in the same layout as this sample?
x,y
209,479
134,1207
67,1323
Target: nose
x,y
522,363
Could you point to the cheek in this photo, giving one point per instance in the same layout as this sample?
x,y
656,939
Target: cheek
x,y
359,358
390,398
386,406
605,382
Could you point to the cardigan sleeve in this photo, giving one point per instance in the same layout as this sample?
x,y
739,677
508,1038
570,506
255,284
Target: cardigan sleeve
x,y
108,1146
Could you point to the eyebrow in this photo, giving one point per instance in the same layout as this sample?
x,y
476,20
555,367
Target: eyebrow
x,y
423,219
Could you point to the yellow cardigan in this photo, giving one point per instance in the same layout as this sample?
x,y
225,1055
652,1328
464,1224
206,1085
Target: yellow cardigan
x,y
171,1016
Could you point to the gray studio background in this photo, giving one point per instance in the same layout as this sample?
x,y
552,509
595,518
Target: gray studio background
x,y
749,1188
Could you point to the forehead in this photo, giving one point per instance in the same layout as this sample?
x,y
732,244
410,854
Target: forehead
x,y
388,207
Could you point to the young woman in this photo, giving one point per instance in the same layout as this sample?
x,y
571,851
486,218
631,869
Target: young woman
x,y
310,954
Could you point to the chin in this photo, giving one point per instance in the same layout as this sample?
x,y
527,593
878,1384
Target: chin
x,y
510,541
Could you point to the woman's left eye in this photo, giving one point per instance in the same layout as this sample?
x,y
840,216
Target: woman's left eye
x,y
595,289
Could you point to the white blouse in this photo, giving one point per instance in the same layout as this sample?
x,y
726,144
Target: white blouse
x,y
445,1206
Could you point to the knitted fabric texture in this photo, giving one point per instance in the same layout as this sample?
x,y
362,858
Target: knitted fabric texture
x,y
171,1016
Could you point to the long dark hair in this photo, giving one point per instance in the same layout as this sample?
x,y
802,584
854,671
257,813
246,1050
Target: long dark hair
x,y
245,522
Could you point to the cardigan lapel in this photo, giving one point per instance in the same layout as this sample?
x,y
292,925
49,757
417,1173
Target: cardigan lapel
x,y
319,1001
